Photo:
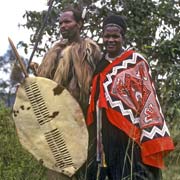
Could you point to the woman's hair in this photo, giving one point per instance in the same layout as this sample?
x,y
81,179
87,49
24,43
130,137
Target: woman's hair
x,y
115,20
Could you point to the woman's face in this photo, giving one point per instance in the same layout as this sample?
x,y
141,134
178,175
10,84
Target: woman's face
x,y
113,40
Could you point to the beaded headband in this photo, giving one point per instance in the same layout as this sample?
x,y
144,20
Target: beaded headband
x,y
112,24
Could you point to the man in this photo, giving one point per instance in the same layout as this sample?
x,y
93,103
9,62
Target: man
x,y
71,63
77,58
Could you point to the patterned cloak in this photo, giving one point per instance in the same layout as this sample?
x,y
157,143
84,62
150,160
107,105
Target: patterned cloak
x,y
128,95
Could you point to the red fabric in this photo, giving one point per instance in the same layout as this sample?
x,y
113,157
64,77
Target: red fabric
x,y
118,120
91,108
102,103
153,149
102,99
117,61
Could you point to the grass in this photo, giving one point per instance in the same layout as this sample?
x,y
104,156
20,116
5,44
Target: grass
x,y
17,164
172,170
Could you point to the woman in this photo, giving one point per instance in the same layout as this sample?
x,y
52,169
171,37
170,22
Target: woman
x,y
132,136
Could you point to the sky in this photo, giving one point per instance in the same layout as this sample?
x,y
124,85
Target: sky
x,y
11,12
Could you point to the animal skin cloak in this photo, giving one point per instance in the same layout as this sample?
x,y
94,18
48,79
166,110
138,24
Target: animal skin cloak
x,y
128,96
72,67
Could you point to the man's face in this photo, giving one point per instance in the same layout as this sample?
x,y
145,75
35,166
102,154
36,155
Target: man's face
x,y
69,28
113,40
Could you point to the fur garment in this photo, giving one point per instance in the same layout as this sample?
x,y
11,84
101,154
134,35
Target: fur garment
x,y
72,67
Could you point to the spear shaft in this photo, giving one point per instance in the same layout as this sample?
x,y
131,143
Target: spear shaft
x,y
50,3
23,68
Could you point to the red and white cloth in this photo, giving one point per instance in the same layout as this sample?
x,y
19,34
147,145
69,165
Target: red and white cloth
x,y
128,95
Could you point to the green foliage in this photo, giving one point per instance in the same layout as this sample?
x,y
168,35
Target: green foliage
x,y
153,30
173,161
5,63
7,82
15,162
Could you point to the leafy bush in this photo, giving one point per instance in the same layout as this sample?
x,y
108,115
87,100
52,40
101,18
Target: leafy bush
x,y
15,162
173,161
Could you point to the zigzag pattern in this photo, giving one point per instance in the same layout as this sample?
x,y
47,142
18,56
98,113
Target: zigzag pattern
x,y
157,100
155,130
119,103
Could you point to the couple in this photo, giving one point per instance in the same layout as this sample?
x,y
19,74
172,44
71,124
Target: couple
x,y
123,113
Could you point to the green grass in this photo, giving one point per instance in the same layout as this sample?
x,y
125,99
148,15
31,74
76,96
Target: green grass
x,y
172,170
17,164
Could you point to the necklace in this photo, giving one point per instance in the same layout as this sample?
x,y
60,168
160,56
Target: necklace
x,y
113,58
108,58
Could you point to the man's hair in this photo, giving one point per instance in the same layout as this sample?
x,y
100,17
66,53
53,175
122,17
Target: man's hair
x,y
77,12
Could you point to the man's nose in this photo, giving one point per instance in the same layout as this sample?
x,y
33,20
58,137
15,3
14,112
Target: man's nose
x,y
62,25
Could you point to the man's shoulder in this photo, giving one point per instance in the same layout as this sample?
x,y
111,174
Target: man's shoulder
x,y
56,47
90,41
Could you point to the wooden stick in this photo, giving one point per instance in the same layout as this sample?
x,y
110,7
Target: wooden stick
x,y
40,32
23,68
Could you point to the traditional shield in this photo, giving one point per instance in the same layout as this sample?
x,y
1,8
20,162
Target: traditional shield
x,y
49,126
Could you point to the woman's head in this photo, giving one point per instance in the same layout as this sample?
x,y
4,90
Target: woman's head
x,y
114,29
115,20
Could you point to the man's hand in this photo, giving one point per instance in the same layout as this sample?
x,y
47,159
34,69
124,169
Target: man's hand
x,y
34,67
